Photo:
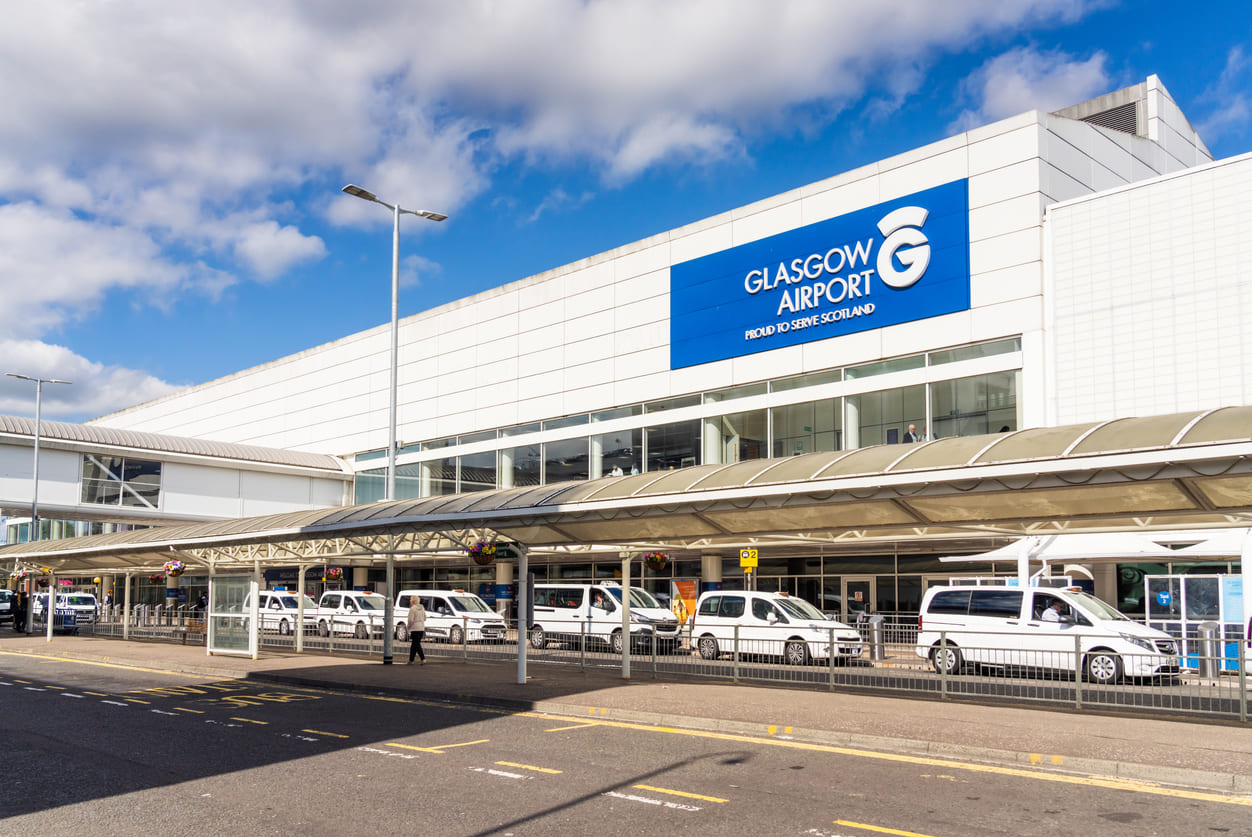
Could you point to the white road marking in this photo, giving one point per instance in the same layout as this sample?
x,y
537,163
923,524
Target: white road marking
x,y
493,772
630,797
116,703
386,753
162,712
71,694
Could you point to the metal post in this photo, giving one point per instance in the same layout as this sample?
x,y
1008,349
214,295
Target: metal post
x,y
582,646
943,669
51,610
390,598
126,611
1077,671
465,637
654,652
254,587
300,608
735,656
395,352
625,615
1243,679
523,602
831,659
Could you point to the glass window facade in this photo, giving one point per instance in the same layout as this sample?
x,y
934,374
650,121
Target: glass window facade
x,y
942,406
118,481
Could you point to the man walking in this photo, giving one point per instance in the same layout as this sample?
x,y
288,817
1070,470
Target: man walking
x,y
417,627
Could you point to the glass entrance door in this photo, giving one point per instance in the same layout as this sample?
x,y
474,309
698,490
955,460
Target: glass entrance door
x,y
858,596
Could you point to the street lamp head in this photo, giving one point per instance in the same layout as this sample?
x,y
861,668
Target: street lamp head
x,y
427,214
358,192
37,380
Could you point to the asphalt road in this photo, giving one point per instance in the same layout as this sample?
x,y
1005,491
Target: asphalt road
x,y
92,748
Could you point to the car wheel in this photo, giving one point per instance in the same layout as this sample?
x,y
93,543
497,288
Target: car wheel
x,y
402,632
708,648
361,632
615,642
946,660
1103,667
284,627
323,629
455,635
797,653
538,639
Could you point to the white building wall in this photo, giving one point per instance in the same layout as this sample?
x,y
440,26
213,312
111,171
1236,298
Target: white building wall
x,y
594,334
1153,284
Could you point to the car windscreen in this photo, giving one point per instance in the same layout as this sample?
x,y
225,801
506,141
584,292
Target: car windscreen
x,y
1098,607
83,601
292,603
470,604
371,603
638,598
799,608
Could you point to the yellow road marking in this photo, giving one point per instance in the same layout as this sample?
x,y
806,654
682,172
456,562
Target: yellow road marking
x,y
182,709
438,749
250,721
320,732
137,700
96,694
655,789
879,829
575,726
527,767
95,663
1092,781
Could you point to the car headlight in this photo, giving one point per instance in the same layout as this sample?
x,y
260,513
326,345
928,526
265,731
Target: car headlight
x,y
641,619
1140,641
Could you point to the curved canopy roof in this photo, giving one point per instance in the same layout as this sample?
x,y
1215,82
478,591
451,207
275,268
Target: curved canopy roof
x,y
1158,472
90,434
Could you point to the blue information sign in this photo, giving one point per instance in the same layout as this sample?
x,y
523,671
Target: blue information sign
x,y
898,261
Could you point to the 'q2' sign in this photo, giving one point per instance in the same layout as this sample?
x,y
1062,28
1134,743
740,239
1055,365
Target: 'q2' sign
x,y
896,262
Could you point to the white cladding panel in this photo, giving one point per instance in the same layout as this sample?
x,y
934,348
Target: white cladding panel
x,y
1151,287
595,334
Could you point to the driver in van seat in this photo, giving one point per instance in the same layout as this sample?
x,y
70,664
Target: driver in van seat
x,y
1052,613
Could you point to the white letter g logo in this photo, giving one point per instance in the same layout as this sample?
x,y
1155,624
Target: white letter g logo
x,y
902,229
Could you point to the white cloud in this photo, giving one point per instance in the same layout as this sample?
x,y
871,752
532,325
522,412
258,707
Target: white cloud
x,y
272,249
154,149
94,388
1231,106
1046,80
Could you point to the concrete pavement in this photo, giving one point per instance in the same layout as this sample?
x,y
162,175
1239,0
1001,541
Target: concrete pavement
x,y
1212,756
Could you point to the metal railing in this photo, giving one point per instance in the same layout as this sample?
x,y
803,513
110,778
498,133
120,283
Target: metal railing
x,y
1209,681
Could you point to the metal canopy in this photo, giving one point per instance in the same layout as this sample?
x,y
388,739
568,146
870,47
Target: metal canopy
x,y
1158,472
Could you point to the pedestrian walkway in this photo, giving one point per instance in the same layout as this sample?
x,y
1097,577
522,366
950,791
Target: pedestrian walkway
x,y
1213,756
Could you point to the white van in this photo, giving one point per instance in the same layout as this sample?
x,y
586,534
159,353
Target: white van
x,y
769,625
452,615
1007,627
83,604
570,611
280,610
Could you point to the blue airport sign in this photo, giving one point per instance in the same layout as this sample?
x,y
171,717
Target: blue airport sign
x,y
899,261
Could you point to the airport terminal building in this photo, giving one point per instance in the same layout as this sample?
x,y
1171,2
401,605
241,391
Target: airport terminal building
x,y
1045,270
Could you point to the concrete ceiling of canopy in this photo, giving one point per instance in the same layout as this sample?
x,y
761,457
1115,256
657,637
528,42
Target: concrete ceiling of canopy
x,y
1159,472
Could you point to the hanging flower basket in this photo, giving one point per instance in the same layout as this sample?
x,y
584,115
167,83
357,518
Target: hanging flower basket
x,y
157,579
333,574
174,568
482,552
656,561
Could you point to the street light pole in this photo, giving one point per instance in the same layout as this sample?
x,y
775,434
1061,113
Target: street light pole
x,y
34,496
396,212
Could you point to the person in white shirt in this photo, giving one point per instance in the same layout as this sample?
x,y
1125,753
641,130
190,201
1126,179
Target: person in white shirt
x,y
1052,613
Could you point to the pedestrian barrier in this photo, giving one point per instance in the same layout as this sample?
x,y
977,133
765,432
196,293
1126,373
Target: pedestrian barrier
x,y
1209,682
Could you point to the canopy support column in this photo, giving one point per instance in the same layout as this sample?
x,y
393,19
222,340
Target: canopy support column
x,y
625,615
126,609
523,607
303,568
389,606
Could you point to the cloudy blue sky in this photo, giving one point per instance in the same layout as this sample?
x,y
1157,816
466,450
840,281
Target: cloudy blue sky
x,y
170,172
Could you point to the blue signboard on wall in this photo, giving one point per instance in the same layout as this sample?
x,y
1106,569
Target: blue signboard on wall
x,y
898,261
